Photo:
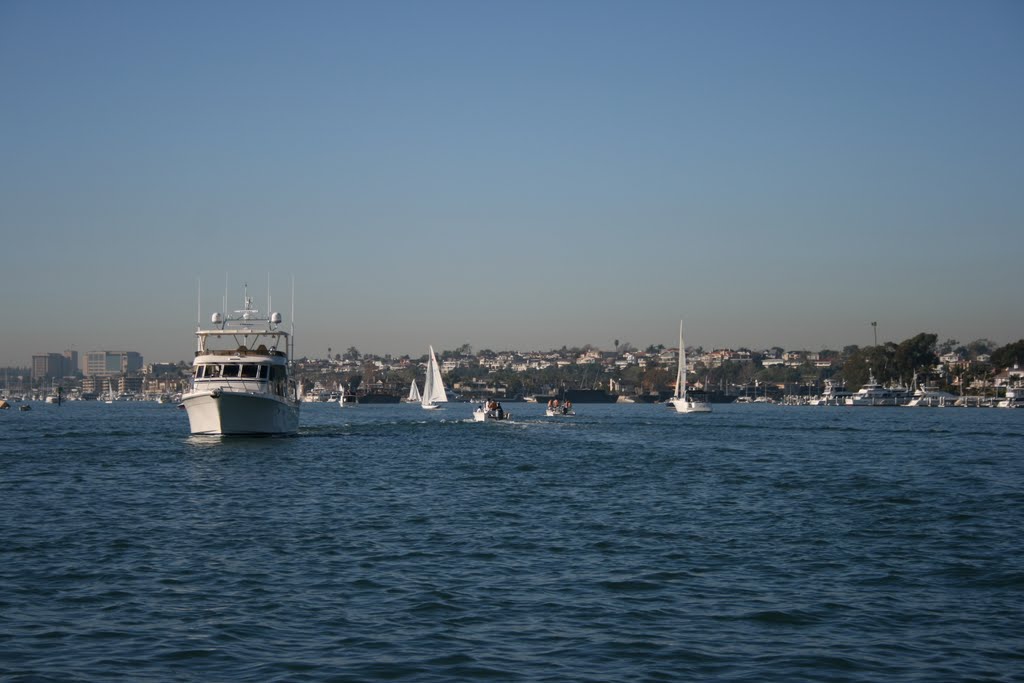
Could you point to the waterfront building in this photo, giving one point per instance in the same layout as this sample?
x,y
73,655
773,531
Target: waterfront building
x,y
71,363
47,366
111,363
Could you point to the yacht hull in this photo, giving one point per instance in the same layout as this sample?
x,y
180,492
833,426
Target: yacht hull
x,y
227,413
690,406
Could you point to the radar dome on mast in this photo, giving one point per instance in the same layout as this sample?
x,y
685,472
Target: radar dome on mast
x,y
216,319
275,318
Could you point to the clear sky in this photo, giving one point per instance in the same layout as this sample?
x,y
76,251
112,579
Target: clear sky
x,y
524,174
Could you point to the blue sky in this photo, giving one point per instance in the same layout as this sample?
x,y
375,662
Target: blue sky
x,y
511,174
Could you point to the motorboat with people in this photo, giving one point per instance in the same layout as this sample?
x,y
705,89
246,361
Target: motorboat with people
x,y
491,411
558,408
241,377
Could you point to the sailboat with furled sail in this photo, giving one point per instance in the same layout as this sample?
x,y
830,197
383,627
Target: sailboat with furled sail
x,y
433,387
682,402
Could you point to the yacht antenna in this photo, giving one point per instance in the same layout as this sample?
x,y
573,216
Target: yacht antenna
x,y
224,306
199,312
269,307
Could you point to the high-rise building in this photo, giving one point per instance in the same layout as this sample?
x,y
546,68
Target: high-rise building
x,y
111,363
70,363
47,366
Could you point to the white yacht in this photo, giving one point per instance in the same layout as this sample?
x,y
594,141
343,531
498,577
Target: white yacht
x,y
835,394
1014,398
874,394
241,379
931,397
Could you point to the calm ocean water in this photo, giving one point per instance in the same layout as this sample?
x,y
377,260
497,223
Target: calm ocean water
x,y
627,543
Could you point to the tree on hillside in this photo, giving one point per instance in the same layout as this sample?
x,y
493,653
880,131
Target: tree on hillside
x,y
980,346
655,379
1009,355
891,362
915,355
873,360
729,374
778,374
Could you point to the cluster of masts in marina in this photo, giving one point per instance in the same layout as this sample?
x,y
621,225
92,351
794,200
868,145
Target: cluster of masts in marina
x,y
874,394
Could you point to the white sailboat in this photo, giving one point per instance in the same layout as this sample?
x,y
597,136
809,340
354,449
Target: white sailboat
x,y
109,398
414,393
433,387
341,397
680,401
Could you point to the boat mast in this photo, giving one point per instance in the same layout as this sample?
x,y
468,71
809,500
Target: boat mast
x,y
291,333
681,372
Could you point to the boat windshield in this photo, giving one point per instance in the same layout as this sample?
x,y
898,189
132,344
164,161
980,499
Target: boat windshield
x,y
243,370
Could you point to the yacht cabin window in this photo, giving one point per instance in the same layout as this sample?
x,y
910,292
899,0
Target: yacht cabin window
x,y
246,371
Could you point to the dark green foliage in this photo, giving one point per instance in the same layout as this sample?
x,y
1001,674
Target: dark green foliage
x,y
1009,355
890,362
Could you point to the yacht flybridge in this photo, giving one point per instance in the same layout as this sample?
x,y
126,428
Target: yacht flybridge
x,y
241,377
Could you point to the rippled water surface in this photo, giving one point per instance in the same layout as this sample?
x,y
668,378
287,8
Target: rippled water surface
x,y
627,543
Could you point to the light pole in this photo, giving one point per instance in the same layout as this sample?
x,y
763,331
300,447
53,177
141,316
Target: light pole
x,y
874,328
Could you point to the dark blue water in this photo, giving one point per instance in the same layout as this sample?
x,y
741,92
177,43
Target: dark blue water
x,y
628,543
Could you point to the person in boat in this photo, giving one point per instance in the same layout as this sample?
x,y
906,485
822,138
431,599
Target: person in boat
x,y
499,411
567,407
493,408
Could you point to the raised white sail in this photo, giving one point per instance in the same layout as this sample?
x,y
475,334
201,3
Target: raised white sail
x,y
433,387
680,401
414,393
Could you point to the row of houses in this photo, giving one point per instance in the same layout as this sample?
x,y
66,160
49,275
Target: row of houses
x,y
520,361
